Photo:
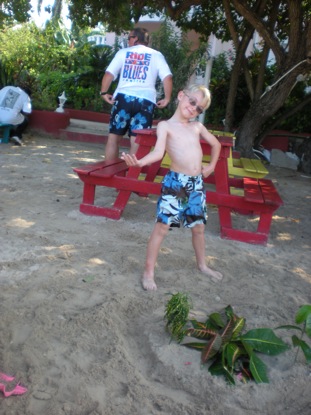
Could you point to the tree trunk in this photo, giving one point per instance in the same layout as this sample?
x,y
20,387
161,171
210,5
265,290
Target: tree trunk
x,y
290,63
263,109
248,131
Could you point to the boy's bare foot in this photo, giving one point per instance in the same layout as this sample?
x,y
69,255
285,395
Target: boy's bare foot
x,y
215,275
148,284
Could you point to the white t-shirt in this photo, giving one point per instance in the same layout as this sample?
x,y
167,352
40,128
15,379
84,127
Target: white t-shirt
x,y
139,67
13,100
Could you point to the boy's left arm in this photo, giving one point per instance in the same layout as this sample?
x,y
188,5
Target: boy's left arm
x,y
215,151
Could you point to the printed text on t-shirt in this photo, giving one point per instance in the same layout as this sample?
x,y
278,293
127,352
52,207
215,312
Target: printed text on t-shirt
x,y
136,66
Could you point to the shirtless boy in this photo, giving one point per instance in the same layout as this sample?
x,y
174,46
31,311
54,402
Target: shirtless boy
x,y
182,197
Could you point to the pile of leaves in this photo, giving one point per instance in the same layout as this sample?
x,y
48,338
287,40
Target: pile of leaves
x,y
220,339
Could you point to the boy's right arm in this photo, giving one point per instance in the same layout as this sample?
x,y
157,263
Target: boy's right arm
x,y
131,160
155,155
215,151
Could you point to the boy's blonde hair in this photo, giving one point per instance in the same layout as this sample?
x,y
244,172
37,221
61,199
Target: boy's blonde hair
x,y
205,92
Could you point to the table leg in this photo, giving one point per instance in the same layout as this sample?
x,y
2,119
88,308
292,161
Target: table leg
x,y
121,200
88,194
224,214
222,176
265,222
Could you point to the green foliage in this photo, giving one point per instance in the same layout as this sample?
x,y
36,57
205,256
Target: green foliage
x,y
28,52
118,14
221,341
14,11
50,61
181,59
303,317
219,86
206,17
300,121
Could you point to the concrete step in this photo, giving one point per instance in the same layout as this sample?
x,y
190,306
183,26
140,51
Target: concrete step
x,y
89,132
89,127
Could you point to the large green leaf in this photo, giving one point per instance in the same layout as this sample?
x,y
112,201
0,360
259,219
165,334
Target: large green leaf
x,y
308,326
228,330
302,314
248,348
265,341
229,311
217,318
193,343
304,347
197,324
217,369
229,376
239,325
232,352
211,349
258,369
209,324
201,333
289,327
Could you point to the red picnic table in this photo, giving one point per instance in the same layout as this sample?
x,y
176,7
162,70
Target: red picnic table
x,y
260,196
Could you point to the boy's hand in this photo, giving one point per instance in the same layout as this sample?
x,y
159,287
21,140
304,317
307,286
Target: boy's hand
x,y
207,170
130,159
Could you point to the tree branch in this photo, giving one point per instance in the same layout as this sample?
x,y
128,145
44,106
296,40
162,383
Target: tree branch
x,y
281,118
256,22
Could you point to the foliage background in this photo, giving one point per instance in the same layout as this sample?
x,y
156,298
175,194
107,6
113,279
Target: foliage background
x,y
53,59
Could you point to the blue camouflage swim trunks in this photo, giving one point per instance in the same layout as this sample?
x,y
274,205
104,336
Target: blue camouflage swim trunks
x,y
182,200
130,113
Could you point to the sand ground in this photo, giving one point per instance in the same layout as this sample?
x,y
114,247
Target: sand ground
x,y
79,332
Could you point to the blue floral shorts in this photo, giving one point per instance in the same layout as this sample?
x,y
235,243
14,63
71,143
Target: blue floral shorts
x,y
182,200
129,113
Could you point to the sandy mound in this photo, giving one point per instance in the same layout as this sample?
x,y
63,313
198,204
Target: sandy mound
x,y
78,330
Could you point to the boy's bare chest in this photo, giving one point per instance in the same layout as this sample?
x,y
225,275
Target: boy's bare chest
x,y
183,137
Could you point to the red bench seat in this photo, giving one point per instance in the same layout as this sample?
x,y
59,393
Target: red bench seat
x,y
260,199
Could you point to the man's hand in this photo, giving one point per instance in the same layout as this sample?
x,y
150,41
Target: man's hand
x,y
130,160
163,103
108,98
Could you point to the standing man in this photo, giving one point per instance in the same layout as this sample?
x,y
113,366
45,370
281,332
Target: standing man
x,y
14,104
135,97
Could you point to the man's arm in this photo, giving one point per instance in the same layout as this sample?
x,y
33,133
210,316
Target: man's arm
x,y
168,87
106,82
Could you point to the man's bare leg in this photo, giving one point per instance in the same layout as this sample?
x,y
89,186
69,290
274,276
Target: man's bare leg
x,y
112,146
198,242
134,146
153,248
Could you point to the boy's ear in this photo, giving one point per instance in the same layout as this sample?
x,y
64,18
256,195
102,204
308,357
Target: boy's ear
x,y
180,95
